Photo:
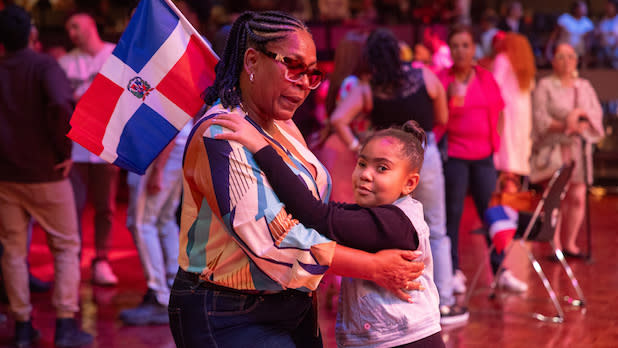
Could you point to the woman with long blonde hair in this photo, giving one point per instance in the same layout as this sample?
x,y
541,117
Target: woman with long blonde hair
x,y
514,71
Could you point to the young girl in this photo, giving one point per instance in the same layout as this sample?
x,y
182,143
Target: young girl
x,y
385,216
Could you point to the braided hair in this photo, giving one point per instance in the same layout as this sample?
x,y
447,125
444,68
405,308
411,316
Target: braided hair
x,y
251,29
381,54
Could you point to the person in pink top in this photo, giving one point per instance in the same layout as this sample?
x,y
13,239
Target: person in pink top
x,y
475,105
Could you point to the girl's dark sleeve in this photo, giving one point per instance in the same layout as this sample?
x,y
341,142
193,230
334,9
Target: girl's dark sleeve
x,y
369,229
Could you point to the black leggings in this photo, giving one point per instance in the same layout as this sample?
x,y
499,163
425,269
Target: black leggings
x,y
433,341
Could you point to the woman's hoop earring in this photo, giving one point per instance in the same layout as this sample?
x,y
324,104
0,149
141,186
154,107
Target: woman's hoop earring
x,y
251,77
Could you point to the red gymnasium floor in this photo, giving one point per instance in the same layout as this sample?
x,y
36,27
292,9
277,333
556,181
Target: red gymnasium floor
x,y
490,325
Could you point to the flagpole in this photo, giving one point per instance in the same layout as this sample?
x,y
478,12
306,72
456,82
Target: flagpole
x,y
193,30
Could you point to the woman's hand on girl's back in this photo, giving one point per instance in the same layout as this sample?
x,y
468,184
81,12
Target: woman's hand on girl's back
x,y
242,131
396,270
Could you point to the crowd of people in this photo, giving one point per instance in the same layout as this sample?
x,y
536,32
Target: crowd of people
x,y
592,31
49,179
408,134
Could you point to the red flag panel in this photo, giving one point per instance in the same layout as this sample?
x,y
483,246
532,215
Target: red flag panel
x,y
186,81
93,112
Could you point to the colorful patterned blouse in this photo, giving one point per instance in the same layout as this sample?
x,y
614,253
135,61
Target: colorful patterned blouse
x,y
234,230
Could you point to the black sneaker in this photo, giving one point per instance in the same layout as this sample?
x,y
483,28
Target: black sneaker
x,y
25,334
68,334
149,312
452,315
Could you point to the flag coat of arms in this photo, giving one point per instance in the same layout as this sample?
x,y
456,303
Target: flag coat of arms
x,y
147,90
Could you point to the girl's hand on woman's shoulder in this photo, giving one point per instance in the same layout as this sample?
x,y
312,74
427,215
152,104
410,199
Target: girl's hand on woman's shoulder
x,y
241,131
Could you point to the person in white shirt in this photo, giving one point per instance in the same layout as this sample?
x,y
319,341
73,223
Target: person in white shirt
x,y
514,71
151,219
607,33
573,28
512,20
91,176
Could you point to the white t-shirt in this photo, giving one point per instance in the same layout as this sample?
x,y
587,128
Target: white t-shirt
x,y
608,29
81,68
574,31
515,142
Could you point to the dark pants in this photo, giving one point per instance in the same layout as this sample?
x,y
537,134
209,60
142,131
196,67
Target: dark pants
x,y
97,181
205,315
479,176
433,341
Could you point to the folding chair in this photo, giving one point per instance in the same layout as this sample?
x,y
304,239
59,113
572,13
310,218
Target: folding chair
x,y
540,226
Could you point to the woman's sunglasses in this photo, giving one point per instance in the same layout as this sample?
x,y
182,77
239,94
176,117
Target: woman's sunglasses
x,y
295,69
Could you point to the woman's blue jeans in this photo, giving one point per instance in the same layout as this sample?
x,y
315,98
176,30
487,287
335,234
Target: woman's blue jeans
x,y
430,192
479,176
201,316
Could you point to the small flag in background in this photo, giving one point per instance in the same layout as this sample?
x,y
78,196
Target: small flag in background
x,y
502,222
147,90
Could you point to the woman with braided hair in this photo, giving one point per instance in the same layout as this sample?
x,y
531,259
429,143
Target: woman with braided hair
x,y
248,268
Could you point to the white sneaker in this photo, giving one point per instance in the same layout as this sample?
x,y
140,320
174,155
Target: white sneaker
x,y
102,273
459,282
507,281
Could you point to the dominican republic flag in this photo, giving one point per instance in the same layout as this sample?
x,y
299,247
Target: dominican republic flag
x,y
147,90
502,222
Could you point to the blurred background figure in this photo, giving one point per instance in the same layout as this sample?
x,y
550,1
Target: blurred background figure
x,y
36,284
56,51
434,11
574,28
333,10
489,19
339,159
607,35
514,20
91,176
35,157
421,56
405,52
566,112
497,43
514,71
474,103
33,41
461,9
348,73
440,53
197,13
151,218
